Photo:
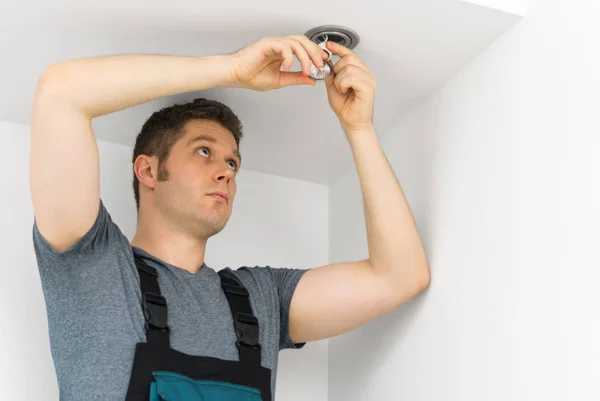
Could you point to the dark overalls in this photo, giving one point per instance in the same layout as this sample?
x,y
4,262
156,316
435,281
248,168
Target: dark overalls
x,y
162,373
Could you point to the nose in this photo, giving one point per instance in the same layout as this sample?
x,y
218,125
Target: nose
x,y
223,173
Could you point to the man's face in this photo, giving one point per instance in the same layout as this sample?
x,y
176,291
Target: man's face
x,y
203,161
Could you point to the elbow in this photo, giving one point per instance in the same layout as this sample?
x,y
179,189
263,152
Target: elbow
x,y
55,90
409,285
424,278
420,281
51,83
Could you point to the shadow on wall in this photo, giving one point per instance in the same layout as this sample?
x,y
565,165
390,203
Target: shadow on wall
x,y
389,331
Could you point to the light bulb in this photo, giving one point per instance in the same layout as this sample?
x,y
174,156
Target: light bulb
x,y
325,71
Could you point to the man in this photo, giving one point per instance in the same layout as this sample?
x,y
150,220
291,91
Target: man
x,y
104,295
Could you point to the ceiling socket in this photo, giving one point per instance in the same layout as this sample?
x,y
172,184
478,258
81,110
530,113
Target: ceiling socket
x,y
334,33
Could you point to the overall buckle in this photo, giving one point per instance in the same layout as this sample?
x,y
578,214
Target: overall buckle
x,y
155,311
246,329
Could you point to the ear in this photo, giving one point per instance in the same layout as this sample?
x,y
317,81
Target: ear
x,y
146,170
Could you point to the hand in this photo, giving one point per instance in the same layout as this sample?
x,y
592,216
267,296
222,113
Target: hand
x,y
258,66
351,90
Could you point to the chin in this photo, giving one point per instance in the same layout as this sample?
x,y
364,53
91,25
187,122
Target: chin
x,y
212,222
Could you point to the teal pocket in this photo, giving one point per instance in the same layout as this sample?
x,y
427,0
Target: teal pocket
x,y
169,386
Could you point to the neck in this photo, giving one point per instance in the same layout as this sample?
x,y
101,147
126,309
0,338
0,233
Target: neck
x,y
169,244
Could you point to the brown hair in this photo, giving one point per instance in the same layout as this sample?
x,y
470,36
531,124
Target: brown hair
x,y
165,127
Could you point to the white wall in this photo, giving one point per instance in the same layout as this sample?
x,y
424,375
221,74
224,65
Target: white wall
x,y
502,169
264,204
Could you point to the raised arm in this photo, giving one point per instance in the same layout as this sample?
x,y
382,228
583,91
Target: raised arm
x,y
334,299
64,165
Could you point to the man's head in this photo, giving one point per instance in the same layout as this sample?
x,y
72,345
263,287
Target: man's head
x,y
184,153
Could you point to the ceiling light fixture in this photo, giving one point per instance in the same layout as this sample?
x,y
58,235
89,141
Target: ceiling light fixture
x,y
333,33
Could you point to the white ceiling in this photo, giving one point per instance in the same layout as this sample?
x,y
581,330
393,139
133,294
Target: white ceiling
x,y
413,47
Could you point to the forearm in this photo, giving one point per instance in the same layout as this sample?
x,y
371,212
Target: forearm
x,y
102,85
395,249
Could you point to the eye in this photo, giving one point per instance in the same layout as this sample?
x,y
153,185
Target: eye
x,y
233,165
204,151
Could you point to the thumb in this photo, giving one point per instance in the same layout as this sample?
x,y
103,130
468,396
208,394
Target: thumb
x,y
294,78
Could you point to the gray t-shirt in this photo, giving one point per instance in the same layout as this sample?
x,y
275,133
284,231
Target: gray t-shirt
x,y
95,318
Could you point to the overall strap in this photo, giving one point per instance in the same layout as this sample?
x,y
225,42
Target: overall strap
x,y
154,305
246,324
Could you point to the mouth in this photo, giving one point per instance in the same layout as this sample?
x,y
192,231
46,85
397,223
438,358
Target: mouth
x,y
220,196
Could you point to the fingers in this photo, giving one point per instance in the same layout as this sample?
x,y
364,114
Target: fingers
x,y
280,48
351,59
305,50
355,78
348,57
294,78
350,72
317,54
339,50
301,54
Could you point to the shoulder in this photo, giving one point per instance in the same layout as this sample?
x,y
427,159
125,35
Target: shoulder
x,y
267,275
101,234
277,283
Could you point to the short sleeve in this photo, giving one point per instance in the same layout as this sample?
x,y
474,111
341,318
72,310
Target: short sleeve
x,y
286,281
59,270
92,239
87,291
277,287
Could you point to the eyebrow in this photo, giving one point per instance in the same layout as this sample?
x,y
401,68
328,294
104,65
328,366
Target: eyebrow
x,y
207,138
